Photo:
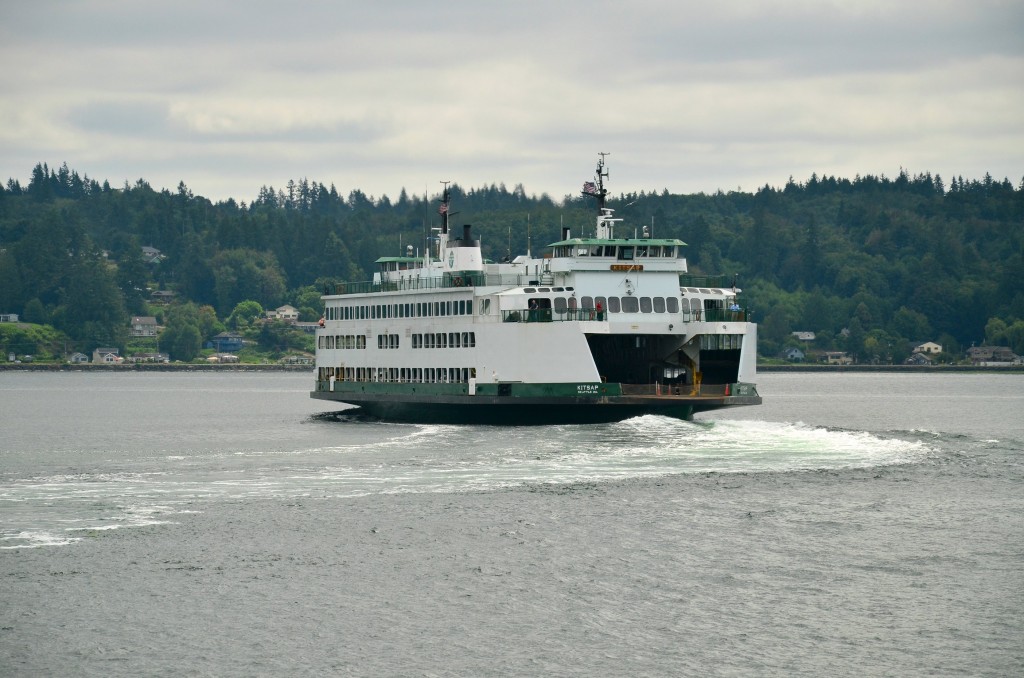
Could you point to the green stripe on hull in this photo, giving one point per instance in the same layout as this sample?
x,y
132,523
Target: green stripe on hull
x,y
515,404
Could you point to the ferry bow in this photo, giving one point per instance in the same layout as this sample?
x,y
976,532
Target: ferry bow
x,y
598,328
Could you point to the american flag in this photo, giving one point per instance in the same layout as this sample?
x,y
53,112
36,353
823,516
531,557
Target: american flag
x,y
443,208
589,187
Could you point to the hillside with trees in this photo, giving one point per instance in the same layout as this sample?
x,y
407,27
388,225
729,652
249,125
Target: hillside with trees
x,y
869,264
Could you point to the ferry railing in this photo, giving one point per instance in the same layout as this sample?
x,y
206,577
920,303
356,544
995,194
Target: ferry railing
x,y
447,281
712,315
546,315
691,280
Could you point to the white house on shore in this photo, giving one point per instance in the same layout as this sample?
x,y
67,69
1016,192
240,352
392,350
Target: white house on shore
x,y
929,347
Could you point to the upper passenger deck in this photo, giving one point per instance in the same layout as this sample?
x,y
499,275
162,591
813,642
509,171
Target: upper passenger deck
x,y
617,254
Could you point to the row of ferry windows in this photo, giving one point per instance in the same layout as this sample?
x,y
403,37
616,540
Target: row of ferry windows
x,y
624,252
401,375
421,309
431,340
631,304
341,341
387,341
444,340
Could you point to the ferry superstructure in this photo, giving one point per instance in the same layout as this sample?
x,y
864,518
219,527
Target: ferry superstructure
x,y
598,328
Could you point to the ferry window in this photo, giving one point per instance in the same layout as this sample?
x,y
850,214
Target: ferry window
x,y
442,340
645,304
380,341
543,289
469,307
630,305
394,341
560,305
641,251
659,304
361,341
453,340
485,307
582,251
529,290
626,253
604,303
672,304
586,302
469,339
572,303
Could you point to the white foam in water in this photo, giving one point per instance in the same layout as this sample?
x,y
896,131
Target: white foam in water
x,y
416,459
33,539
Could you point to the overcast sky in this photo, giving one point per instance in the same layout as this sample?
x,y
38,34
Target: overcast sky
x,y
381,95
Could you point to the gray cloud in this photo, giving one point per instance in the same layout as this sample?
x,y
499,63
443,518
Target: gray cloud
x,y
690,96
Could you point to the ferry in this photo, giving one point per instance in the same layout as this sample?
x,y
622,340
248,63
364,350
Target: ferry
x,y
598,328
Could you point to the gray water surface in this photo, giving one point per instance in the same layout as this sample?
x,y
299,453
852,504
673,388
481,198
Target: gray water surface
x,y
207,524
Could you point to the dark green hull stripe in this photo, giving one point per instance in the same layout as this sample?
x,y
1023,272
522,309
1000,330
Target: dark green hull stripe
x,y
519,410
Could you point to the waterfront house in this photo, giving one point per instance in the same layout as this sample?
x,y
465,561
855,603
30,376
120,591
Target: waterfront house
x,y
837,358
109,356
222,359
149,358
144,326
992,355
225,342
152,255
919,358
78,358
793,354
287,313
929,347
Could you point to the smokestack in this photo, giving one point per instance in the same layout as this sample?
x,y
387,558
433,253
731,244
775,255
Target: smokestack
x,y
565,233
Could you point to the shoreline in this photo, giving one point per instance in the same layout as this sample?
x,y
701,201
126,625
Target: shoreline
x,y
244,367
905,369
153,367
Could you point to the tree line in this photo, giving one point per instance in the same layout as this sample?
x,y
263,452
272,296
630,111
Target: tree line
x,y
869,264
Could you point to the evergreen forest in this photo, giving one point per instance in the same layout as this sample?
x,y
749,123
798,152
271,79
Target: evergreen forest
x,y
871,264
